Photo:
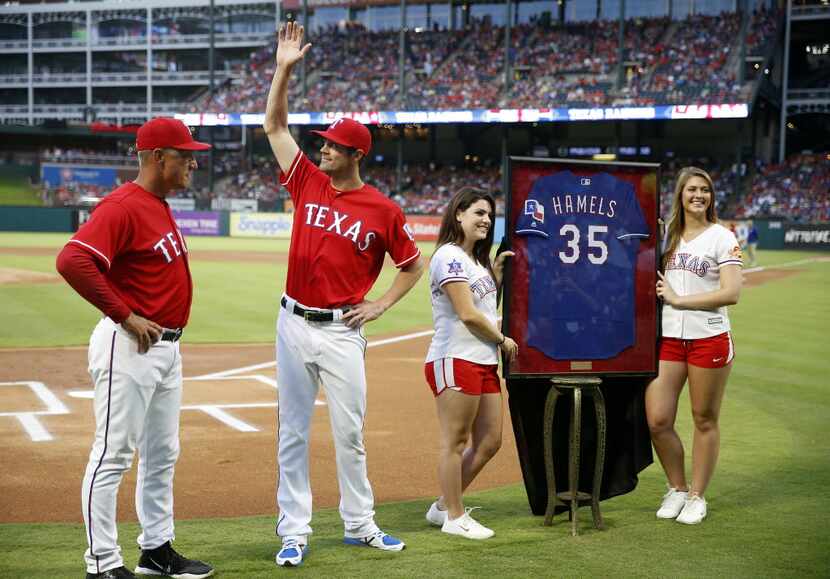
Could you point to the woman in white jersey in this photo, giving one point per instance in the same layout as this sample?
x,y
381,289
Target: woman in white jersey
x,y
462,362
702,275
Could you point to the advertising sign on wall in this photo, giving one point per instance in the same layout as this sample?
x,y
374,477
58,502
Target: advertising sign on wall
x,y
273,225
424,227
807,236
197,222
181,204
57,175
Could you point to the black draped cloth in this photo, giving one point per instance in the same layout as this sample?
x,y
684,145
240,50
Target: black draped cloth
x,y
627,446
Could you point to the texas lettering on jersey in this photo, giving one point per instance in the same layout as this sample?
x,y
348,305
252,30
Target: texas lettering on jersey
x,y
583,236
169,243
339,238
324,218
134,235
688,262
483,286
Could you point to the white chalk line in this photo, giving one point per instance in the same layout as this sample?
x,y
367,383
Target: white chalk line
x,y
29,419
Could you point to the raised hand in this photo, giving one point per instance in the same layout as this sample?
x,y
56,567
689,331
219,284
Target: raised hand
x,y
290,49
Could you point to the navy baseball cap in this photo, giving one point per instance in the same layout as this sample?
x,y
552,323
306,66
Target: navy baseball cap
x,y
349,133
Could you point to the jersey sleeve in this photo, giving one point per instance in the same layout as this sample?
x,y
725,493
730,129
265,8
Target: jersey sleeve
x,y
400,241
531,219
301,174
728,250
632,224
448,265
106,234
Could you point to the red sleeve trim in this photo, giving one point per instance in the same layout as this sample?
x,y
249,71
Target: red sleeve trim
x,y
93,250
405,262
292,169
78,267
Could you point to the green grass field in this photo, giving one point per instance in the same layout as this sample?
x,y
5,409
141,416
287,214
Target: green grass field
x,y
244,293
17,191
768,500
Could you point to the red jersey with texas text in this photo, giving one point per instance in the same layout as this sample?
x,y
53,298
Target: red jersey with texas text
x,y
339,238
133,234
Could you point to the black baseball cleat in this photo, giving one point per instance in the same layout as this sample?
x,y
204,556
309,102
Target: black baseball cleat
x,y
165,560
117,573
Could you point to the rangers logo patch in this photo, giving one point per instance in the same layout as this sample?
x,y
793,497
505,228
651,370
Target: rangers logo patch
x,y
736,252
454,267
535,209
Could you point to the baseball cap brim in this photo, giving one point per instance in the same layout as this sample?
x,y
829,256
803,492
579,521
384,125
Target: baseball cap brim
x,y
329,136
193,146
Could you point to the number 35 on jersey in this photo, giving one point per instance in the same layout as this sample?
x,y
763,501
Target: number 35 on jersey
x,y
583,234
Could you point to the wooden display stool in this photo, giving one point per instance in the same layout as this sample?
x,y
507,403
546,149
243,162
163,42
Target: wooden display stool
x,y
577,385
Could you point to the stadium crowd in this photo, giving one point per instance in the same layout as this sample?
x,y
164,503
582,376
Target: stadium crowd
x,y
798,189
667,62
693,64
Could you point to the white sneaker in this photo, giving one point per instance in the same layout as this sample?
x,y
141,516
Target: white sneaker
x,y
435,515
467,527
694,511
672,504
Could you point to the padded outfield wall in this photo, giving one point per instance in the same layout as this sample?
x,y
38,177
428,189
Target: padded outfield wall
x,y
772,233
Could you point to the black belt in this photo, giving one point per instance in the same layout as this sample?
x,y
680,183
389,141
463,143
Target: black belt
x,y
171,335
310,315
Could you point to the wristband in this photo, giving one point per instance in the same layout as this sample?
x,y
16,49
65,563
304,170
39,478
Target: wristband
x,y
503,338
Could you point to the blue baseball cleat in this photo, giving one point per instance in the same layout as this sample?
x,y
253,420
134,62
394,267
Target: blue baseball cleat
x,y
378,540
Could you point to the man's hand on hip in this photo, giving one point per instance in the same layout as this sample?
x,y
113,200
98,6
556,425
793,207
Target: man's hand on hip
x,y
143,330
362,313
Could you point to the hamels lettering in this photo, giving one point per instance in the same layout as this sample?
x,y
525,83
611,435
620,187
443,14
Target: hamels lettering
x,y
171,245
339,223
590,204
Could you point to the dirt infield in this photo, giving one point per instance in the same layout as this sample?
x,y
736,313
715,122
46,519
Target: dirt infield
x,y
755,278
228,462
223,472
9,275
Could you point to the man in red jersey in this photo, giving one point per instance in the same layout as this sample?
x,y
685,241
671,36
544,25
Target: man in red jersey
x,y
341,232
130,261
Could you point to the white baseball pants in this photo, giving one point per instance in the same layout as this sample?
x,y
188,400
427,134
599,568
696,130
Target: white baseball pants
x,y
331,354
137,403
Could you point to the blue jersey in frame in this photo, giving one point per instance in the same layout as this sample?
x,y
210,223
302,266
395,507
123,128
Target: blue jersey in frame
x,y
583,234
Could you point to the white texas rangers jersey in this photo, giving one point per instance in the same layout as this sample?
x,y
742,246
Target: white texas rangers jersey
x,y
694,268
452,339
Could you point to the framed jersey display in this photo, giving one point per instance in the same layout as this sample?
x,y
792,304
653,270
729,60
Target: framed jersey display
x,y
579,295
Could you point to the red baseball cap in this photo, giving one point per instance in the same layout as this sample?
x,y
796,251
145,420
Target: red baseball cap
x,y
349,133
167,133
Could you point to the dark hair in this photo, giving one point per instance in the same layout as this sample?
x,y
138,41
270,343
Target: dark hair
x,y
451,231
